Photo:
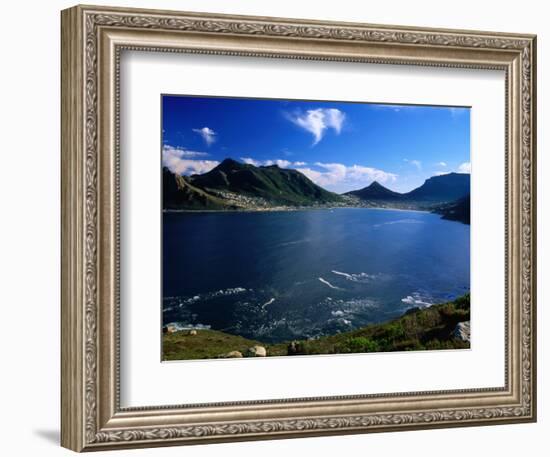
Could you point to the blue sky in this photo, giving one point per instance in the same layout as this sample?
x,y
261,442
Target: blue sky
x,y
340,146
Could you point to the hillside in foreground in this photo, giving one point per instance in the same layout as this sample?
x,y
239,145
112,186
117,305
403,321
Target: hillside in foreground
x,y
436,327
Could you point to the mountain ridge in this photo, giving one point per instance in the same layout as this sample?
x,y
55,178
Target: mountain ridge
x,y
436,189
233,185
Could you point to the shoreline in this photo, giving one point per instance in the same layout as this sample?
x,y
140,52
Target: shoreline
x,y
433,327
289,209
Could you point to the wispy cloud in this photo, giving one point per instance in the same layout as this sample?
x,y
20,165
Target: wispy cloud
x,y
442,164
207,134
339,177
280,162
465,167
182,152
181,162
416,163
317,121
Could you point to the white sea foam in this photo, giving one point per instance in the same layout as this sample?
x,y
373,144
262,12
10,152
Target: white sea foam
x,y
218,293
346,275
226,292
290,243
355,277
267,303
184,326
324,281
400,221
416,300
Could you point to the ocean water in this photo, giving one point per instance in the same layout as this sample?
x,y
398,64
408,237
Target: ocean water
x,y
275,276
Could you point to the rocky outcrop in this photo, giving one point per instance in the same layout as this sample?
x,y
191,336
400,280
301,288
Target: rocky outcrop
x,y
462,331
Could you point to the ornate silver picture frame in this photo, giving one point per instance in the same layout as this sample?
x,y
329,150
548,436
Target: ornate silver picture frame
x,y
93,39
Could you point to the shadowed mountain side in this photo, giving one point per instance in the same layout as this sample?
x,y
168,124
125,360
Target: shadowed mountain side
x,y
435,190
376,191
178,193
443,188
458,210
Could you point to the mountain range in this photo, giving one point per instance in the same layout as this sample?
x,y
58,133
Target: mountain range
x,y
435,190
233,185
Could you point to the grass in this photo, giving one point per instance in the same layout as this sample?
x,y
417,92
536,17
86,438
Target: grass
x,y
418,329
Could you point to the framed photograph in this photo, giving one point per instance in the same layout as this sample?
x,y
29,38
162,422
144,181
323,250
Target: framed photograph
x,y
276,228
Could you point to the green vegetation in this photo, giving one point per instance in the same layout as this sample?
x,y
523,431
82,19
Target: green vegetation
x,y
456,211
418,329
206,344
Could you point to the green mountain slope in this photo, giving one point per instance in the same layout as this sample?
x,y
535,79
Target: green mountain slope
x,y
276,185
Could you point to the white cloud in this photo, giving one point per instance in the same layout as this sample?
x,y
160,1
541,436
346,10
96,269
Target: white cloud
x,y
317,121
465,167
182,152
282,163
441,173
339,177
442,164
416,163
179,161
207,134
251,161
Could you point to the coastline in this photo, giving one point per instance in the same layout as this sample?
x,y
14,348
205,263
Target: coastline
x,y
290,209
431,328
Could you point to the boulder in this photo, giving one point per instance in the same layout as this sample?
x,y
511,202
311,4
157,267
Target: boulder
x,y
257,351
192,332
171,328
233,355
462,331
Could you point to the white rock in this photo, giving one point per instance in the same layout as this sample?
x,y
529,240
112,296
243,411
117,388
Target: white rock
x,y
192,332
462,331
171,328
257,351
233,355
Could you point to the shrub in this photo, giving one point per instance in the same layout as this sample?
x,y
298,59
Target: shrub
x,y
463,302
357,344
394,331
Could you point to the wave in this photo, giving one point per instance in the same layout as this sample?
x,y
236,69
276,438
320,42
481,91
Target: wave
x,y
355,277
416,300
230,291
290,243
267,303
172,302
178,326
400,221
324,281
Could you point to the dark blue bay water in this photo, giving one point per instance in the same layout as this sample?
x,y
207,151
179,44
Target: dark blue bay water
x,y
275,276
